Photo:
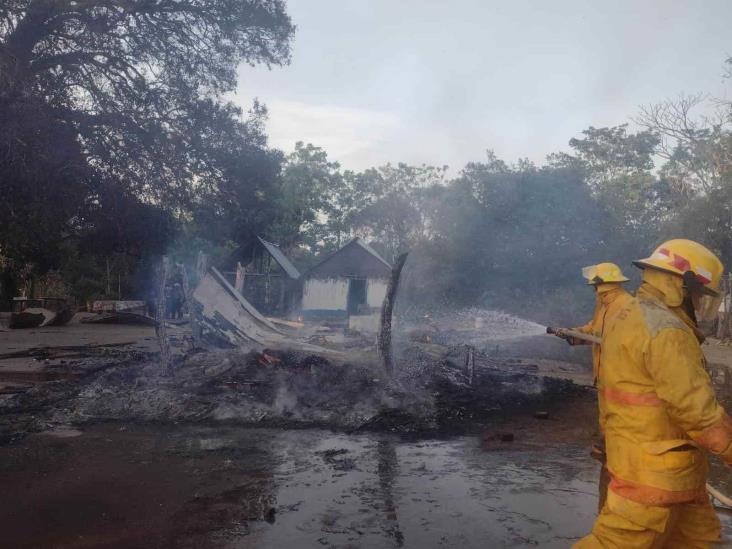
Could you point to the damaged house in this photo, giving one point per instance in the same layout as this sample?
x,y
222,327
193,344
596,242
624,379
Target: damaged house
x,y
349,282
266,278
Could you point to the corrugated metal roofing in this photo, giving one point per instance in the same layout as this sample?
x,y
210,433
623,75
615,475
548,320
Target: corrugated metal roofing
x,y
280,258
370,250
356,242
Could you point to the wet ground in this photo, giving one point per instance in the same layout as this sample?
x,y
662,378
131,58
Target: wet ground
x,y
232,487
185,486
513,479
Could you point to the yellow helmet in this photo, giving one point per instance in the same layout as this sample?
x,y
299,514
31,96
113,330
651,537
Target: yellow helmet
x,y
603,273
680,256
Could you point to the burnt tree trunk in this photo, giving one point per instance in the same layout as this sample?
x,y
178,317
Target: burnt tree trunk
x,y
470,363
160,328
383,342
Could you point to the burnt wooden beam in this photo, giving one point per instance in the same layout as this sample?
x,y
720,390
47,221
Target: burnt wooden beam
x,y
383,342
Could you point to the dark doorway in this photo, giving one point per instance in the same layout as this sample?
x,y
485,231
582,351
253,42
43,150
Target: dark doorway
x,y
356,294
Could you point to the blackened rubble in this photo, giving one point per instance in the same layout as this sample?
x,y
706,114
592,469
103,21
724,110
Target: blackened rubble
x,y
430,391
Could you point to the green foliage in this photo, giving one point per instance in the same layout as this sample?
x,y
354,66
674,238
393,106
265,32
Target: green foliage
x,y
240,198
320,207
118,145
114,122
44,183
387,204
608,153
618,167
307,214
135,79
512,228
696,148
706,218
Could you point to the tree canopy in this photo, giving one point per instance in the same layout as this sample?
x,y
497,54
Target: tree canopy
x,y
119,143
136,79
107,101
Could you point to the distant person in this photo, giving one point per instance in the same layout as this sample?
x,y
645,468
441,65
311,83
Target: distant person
x,y
607,280
660,410
177,300
151,304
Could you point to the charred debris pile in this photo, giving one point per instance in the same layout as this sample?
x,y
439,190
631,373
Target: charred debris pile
x,y
430,392
250,370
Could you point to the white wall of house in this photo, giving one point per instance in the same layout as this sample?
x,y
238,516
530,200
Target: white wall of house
x,y
375,292
366,324
369,324
325,295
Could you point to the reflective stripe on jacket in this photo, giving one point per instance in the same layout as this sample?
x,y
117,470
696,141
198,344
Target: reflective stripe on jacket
x,y
659,405
608,305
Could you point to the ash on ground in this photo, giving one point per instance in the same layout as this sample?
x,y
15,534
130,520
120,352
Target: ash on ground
x,y
431,390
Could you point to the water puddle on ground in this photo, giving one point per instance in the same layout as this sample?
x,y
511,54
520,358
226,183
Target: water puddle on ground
x,y
386,493
263,488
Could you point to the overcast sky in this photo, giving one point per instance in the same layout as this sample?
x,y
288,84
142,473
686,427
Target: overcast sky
x,y
437,82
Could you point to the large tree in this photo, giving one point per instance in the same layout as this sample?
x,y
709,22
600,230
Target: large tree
x,y
501,231
99,97
307,213
618,167
129,76
697,147
388,204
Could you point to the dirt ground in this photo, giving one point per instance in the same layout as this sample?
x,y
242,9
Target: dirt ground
x,y
519,476
149,486
192,486
23,361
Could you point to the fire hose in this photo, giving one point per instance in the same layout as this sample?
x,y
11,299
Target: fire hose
x,y
566,333
719,496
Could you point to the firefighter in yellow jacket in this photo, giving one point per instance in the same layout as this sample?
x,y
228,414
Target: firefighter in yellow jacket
x,y
607,280
660,412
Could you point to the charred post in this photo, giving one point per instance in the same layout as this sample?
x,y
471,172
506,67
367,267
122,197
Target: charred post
x,y
201,265
470,363
383,342
160,328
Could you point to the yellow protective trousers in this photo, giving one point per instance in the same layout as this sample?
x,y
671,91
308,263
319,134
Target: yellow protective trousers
x,y
625,524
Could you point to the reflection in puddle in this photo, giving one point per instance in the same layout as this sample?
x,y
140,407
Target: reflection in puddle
x,y
427,494
192,486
